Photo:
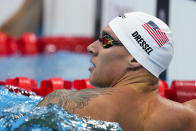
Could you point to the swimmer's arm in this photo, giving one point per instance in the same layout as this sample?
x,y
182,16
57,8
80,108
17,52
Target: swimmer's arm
x,y
72,100
58,97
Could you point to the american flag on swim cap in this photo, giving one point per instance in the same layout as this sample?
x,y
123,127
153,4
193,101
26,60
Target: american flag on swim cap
x,y
156,33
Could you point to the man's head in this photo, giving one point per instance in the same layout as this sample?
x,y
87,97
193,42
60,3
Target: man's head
x,y
146,41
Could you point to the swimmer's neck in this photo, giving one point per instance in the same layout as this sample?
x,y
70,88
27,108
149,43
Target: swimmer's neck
x,y
138,81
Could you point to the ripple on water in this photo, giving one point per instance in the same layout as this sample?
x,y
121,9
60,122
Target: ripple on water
x,y
18,112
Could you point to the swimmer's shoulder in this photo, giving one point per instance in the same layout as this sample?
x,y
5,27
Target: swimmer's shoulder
x,y
73,100
191,104
170,115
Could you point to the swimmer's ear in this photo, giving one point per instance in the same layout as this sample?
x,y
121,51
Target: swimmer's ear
x,y
133,64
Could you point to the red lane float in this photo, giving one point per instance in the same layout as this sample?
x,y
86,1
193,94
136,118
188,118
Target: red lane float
x,y
8,45
48,86
26,86
3,42
22,82
185,90
74,44
21,85
165,91
163,86
180,91
2,83
29,44
82,84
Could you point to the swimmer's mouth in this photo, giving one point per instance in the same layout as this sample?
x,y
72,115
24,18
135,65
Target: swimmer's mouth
x,y
92,67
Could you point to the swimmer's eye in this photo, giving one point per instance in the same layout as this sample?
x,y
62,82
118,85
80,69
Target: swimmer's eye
x,y
108,41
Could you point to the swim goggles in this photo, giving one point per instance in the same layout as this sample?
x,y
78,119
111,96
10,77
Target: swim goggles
x,y
108,41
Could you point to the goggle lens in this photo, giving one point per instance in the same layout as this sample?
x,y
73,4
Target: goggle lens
x,y
107,42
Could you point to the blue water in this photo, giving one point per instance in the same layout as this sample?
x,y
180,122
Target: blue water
x,y
66,65
18,112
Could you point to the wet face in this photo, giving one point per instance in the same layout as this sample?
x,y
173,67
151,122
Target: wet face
x,y
109,64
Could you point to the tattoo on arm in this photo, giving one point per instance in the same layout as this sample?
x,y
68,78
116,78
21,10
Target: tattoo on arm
x,y
72,100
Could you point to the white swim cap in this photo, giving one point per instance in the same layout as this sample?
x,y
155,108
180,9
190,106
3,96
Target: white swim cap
x,y
147,38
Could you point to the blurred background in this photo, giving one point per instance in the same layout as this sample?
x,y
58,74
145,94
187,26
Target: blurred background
x,y
64,22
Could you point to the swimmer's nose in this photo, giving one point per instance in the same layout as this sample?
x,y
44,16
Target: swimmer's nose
x,y
93,48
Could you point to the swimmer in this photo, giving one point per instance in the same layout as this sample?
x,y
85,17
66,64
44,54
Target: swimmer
x,y
131,52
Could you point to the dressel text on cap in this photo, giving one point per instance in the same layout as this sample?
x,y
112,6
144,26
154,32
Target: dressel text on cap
x,y
142,42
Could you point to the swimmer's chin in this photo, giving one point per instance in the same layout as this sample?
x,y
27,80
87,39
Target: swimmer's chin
x,y
97,85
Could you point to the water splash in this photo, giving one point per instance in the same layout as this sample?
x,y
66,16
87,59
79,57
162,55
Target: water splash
x,y
19,112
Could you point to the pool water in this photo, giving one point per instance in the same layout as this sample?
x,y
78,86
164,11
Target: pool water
x,y
18,112
66,65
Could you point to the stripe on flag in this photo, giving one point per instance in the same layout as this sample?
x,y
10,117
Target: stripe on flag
x,y
156,33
